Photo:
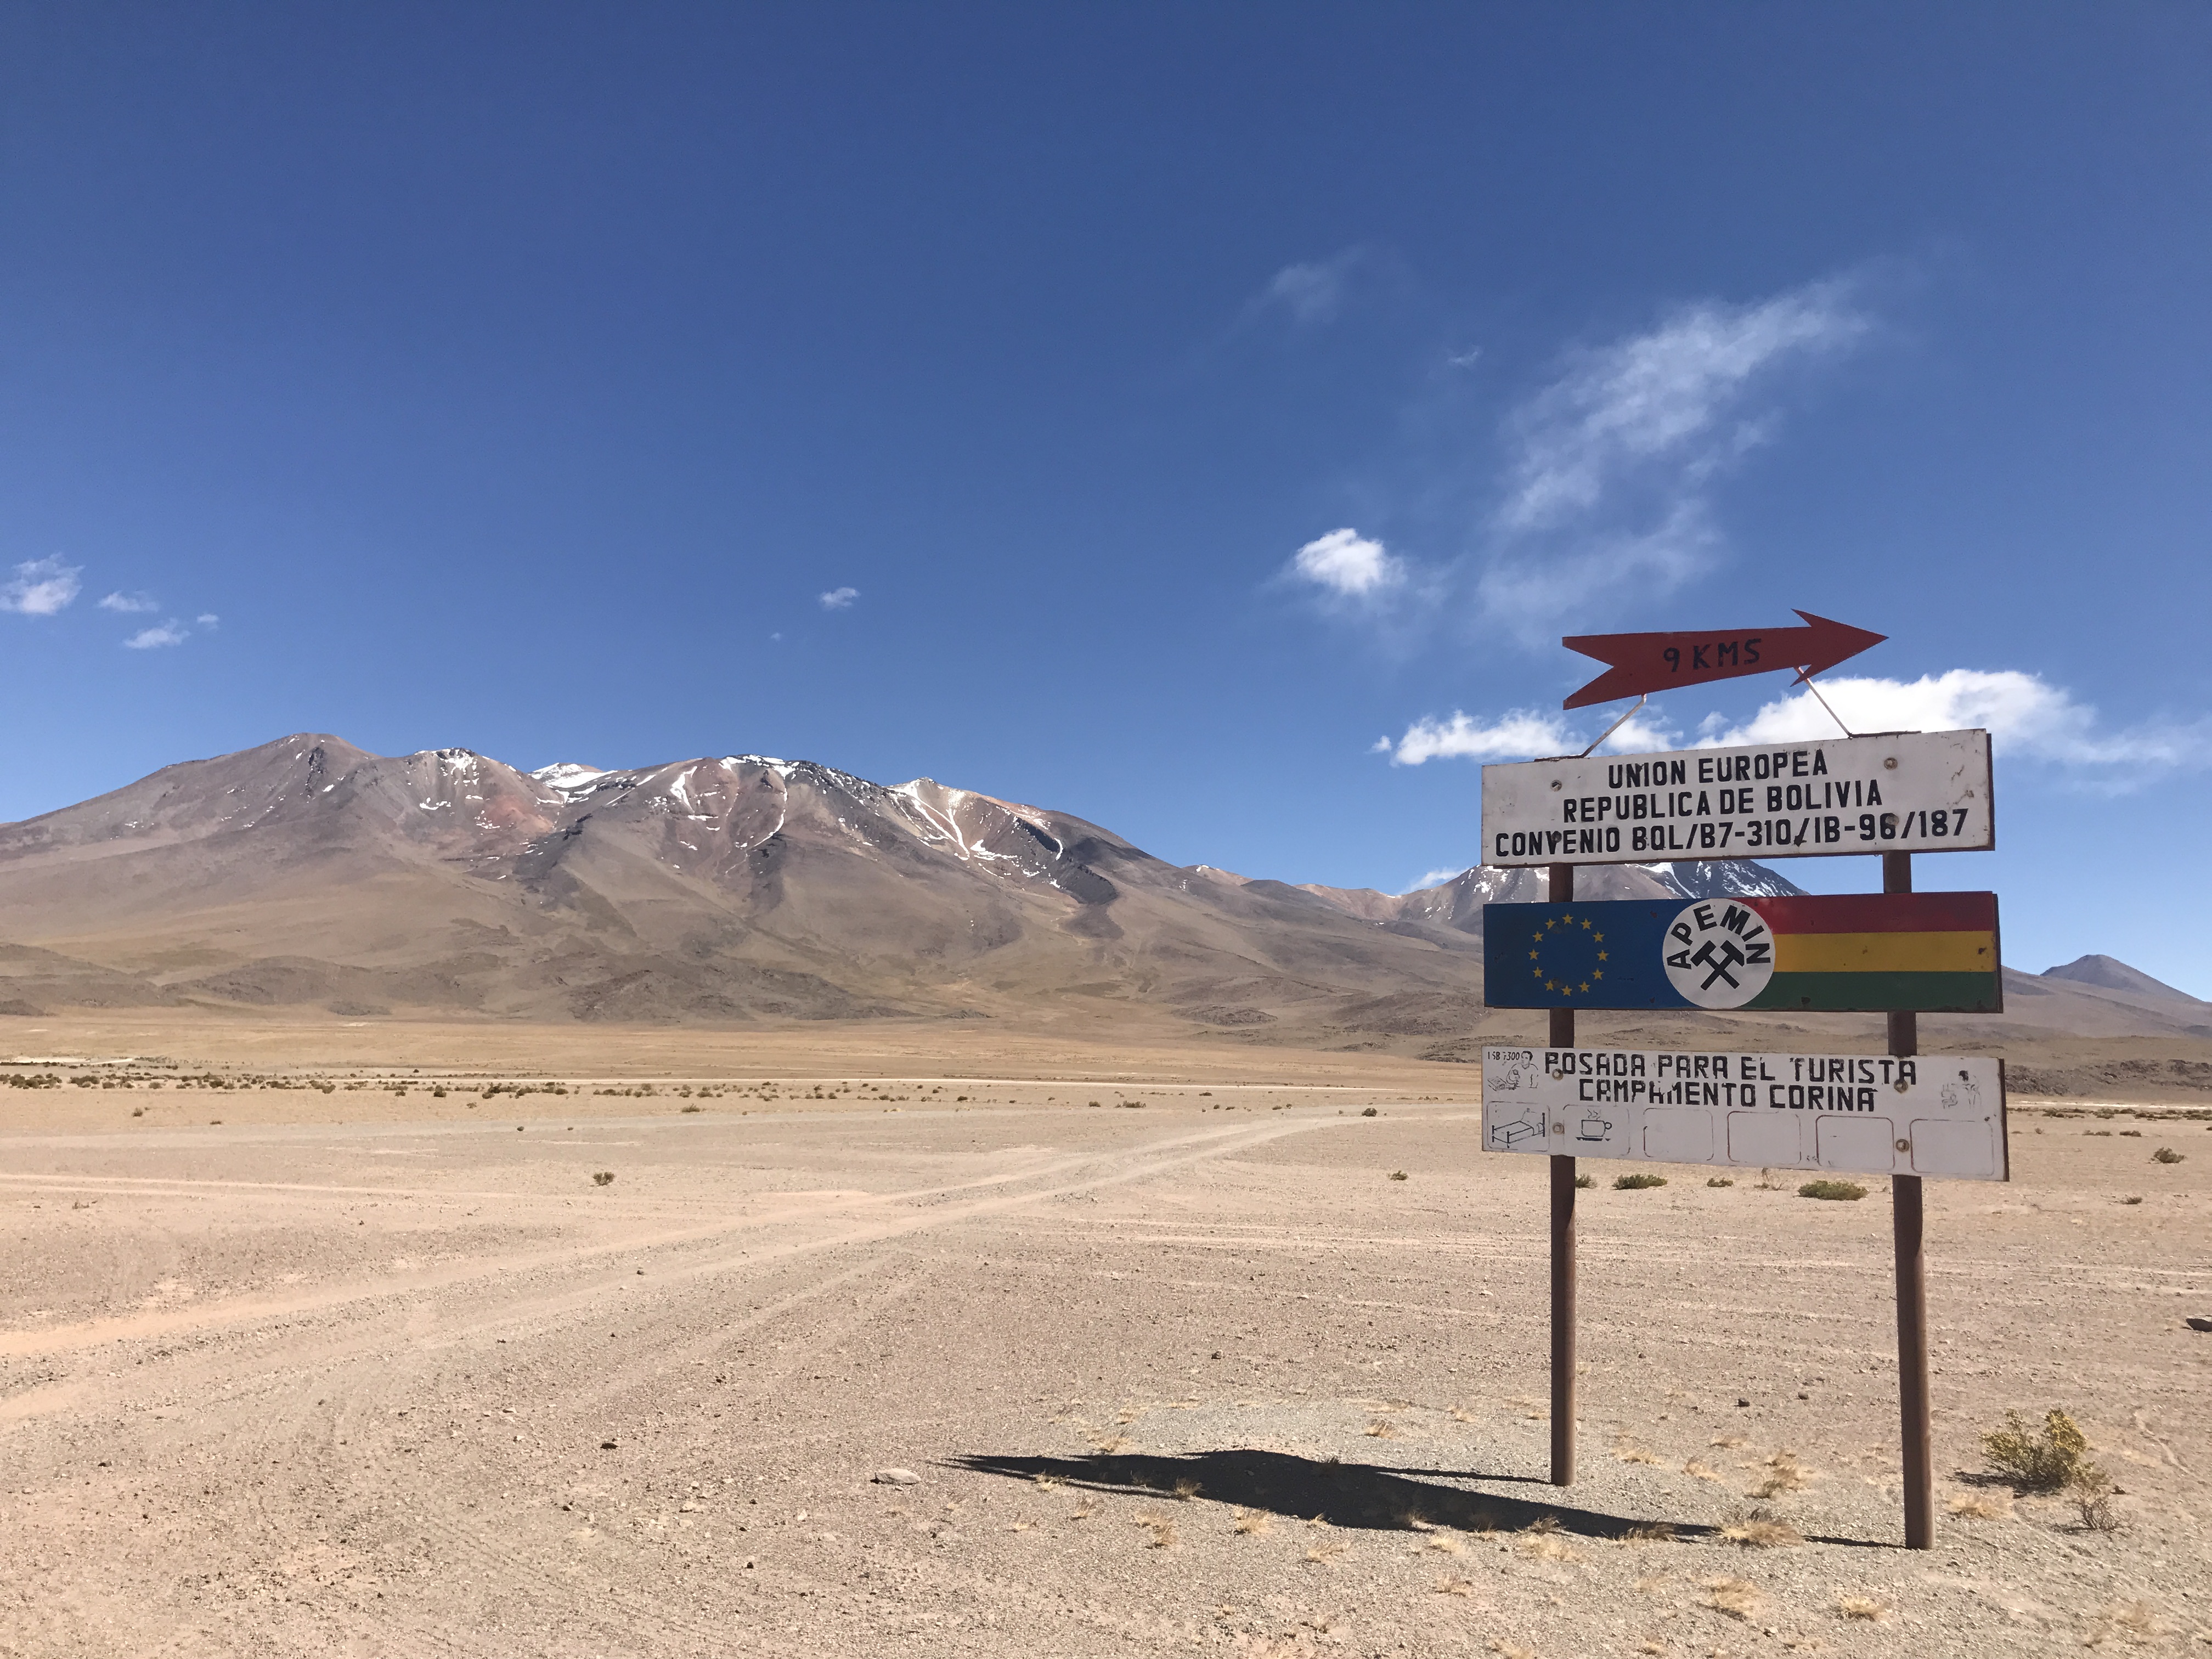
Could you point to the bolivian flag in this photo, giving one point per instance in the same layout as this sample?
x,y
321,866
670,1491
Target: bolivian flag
x,y
1935,952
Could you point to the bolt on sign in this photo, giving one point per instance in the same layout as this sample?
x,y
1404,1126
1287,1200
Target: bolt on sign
x,y
1932,1114
1846,952
1909,792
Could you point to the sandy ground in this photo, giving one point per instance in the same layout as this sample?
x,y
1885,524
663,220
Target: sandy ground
x,y
360,1372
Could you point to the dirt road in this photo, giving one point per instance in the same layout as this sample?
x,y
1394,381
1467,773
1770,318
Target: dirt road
x,y
1197,1374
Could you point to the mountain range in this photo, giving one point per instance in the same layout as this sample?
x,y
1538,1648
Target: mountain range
x,y
306,872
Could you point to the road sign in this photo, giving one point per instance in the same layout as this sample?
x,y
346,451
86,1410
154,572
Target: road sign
x,y
1933,1115
1933,952
1645,663
1905,792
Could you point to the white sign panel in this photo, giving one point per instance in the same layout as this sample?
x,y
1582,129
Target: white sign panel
x,y
1911,792
1932,1114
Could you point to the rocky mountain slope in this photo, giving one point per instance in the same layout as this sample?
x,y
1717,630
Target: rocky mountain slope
x,y
309,873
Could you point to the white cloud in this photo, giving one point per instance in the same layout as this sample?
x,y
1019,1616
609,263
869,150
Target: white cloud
x,y
207,619
1309,293
1435,879
149,639
2026,717
41,588
840,598
1520,734
1348,563
131,603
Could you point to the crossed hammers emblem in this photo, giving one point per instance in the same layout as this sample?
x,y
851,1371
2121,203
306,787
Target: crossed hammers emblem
x,y
1729,956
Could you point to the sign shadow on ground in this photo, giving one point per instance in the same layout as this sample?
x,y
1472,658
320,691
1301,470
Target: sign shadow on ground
x,y
1305,1488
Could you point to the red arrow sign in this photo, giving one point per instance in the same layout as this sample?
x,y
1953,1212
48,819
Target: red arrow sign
x,y
1642,663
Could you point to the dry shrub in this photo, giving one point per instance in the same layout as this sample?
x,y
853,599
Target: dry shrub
x,y
2093,1502
1701,1471
2041,1460
2165,1155
1784,1474
1649,1532
1761,1532
1980,1505
1546,1547
1323,1551
1109,1443
1162,1531
1728,1442
1736,1597
1872,1609
1252,1524
1637,1183
1634,1455
1379,1430
1451,1584
1186,1489
1446,1543
602,1177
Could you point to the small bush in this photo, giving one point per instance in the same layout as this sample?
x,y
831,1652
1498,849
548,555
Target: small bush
x,y
1397,1175
602,1177
1838,1190
1719,1181
2165,1155
2093,1502
1585,1180
2056,1456
1637,1183
1369,1112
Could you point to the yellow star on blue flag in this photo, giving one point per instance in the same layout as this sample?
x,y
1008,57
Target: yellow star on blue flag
x,y
1568,957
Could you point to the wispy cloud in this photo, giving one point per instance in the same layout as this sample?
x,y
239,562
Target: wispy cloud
x,y
41,588
152,639
1674,396
1348,564
131,603
1608,488
1309,293
840,598
207,619
1605,477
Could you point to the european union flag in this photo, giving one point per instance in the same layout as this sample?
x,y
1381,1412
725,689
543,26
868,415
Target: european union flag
x,y
1607,954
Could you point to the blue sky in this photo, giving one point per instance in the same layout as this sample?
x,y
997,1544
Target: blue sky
x,y
1173,402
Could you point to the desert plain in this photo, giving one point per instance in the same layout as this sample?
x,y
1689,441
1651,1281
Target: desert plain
x,y
418,1337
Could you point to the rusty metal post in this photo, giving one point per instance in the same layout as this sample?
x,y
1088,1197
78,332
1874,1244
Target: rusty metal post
x,y
1561,890
1907,1224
